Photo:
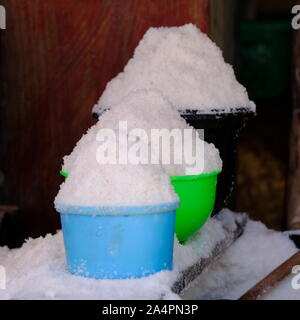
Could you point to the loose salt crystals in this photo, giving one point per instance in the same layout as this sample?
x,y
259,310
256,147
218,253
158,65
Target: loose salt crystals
x,y
92,184
98,178
186,66
148,110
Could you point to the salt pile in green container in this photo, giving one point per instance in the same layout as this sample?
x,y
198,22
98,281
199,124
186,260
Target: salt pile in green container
x,y
91,183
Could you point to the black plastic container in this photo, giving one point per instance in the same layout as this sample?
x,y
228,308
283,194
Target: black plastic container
x,y
221,129
295,238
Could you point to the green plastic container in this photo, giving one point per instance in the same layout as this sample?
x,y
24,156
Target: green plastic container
x,y
197,195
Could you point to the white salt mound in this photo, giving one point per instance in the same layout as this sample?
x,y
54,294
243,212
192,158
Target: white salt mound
x,y
38,269
92,184
126,186
186,66
147,110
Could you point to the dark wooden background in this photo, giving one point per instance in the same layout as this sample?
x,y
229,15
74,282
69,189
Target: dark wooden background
x,y
56,57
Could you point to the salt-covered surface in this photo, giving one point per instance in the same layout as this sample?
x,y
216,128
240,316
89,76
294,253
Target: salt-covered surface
x,y
252,257
186,66
38,269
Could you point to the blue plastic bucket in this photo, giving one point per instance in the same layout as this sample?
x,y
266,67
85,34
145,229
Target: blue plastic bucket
x,y
118,242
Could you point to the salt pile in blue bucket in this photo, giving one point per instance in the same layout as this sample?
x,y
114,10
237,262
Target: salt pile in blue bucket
x,y
118,220
125,227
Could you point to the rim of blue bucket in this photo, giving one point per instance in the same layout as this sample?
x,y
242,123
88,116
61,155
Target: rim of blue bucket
x,y
195,176
116,210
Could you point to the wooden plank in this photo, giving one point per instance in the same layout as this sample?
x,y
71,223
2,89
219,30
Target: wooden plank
x,y
222,26
272,279
57,57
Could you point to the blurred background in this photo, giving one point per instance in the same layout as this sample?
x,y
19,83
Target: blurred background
x,y
57,56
